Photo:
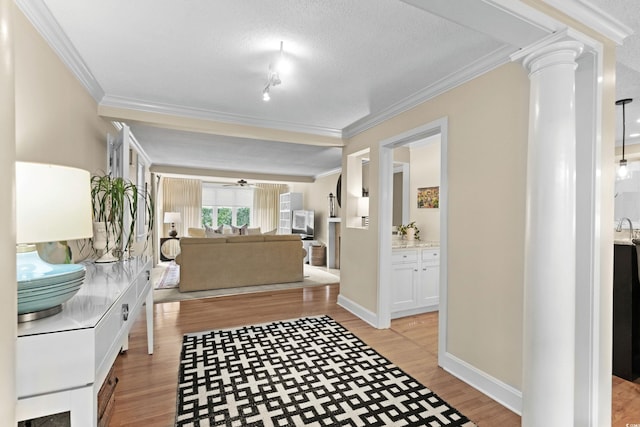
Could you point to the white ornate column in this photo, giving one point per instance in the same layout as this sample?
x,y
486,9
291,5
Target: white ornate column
x,y
550,251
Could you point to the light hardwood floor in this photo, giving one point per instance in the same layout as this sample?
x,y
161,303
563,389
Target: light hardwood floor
x,y
146,393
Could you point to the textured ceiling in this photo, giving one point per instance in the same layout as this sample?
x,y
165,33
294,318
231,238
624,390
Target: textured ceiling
x,y
223,153
352,62
628,65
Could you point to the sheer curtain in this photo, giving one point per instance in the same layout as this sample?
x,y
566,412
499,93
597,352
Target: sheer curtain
x,y
184,196
266,206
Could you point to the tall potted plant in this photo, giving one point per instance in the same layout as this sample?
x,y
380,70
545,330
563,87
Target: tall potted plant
x,y
115,203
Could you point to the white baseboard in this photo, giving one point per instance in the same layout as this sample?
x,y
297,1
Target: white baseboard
x,y
366,315
414,311
502,393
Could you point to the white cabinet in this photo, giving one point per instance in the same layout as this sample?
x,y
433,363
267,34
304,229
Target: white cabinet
x,y
289,202
415,281
62,360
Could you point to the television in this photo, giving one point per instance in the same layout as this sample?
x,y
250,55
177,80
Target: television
x,y
303,224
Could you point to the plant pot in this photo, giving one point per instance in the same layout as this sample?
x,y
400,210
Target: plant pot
x,y
411,234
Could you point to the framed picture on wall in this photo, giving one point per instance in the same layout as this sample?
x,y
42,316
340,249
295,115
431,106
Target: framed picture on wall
x,y
429,197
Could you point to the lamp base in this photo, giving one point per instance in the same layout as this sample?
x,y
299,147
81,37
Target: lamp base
x,y
173,233
35,315
44,287
106,257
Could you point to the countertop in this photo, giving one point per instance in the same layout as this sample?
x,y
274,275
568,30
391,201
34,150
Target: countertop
x,y
414,244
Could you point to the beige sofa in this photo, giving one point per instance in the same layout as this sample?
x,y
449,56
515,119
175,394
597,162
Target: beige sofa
x,y
233,261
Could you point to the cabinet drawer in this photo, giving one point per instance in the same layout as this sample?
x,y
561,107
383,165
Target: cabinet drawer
x,y
404,256
143,282
112,325
431,256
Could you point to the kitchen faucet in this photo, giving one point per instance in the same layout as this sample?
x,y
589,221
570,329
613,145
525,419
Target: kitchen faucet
x,y
619,227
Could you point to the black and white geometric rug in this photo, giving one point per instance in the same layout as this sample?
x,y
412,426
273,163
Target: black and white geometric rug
x,y
303,372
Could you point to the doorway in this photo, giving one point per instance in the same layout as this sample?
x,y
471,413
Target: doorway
x,y
385,209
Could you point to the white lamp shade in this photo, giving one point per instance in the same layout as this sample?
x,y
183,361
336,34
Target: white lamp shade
x,y
171,217
53,203
363,206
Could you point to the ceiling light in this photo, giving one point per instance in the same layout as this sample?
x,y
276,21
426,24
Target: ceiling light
x,y
622,170
273,75
282,63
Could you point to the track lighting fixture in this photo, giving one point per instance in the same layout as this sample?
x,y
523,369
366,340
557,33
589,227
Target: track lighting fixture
x,y
273,75
622,170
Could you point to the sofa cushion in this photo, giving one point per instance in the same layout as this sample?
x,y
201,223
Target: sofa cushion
x,y
201,241
245,239
196,232
251,231
281,237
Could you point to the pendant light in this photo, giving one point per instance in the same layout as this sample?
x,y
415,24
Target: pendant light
x,y
622,170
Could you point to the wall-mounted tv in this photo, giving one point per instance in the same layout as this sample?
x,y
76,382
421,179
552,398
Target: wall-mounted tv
x,y
303,224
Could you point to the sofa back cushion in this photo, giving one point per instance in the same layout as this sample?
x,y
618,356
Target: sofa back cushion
x,y
245,239
196,232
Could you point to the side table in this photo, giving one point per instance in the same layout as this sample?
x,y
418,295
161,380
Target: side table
x,y
169,248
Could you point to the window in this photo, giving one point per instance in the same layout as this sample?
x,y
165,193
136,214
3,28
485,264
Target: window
x,y
226,205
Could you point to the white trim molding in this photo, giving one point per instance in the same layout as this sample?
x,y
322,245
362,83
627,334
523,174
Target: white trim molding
x,y
41,18
475,69
217,116
499,391
594,17
358,310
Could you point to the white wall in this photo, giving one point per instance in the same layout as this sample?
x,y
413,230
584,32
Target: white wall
x,y
316,198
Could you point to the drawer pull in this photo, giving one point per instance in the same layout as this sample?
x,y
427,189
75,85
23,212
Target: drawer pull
x,y
125,312
148,274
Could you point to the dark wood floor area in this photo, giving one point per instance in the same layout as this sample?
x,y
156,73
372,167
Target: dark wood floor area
x,y
146,393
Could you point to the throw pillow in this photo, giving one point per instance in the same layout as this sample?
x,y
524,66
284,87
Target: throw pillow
x,y
211,232
253,231
242,230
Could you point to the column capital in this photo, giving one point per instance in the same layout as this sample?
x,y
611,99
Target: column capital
x,y
559,53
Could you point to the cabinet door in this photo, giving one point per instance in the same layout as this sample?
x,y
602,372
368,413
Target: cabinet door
x,y
429,277
429,284
403,286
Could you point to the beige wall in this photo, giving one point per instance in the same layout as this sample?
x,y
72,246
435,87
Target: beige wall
x,y
56,118
425,172
316,198
8,289
488,123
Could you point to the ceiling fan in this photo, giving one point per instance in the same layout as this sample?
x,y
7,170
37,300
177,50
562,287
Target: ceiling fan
x,y
241,183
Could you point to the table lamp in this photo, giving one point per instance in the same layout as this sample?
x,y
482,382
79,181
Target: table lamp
x,y
172,218
53,203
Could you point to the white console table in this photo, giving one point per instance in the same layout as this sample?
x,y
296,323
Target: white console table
x,y
63,360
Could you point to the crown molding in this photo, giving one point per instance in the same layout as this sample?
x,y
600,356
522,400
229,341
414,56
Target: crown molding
x,y
328,173
594,17
489,62
198,113
41,18
201,173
